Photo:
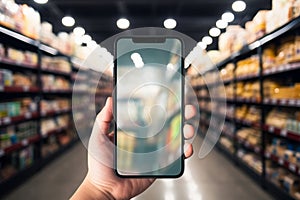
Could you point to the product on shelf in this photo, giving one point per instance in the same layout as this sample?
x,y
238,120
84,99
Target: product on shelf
x,y
54,105
228,144
284,119
248,66
248,90
228,129
249,114
250,135
227,72
52,124
50,147
17,107
276,90
59,64
21,56
14,134
8,78
229,90
51,82
252,160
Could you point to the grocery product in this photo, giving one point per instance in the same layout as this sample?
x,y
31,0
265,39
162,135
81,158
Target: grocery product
x,y
59,64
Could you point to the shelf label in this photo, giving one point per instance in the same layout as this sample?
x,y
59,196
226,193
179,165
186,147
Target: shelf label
x,y
283,132
283,102
292,167
25,142
271,129
1,88
298,102
257,149
7,120
274,101
28,115
266,100
268,155
2,152
292,102
25,88
281,68
280,161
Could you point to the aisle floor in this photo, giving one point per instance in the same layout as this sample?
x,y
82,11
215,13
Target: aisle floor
x,y
212,178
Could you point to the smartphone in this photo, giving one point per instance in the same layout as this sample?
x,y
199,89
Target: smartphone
x,y
149,107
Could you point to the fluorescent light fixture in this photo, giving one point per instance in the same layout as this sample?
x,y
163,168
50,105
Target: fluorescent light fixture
x,y
221,24
41,1
137,60
86,39
228,17
123,23
202,45
238,6
68,21
78,31
92,44
207,40
170,23
78,40
214,32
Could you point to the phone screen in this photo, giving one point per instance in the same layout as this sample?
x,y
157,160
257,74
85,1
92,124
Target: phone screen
x,y
148,107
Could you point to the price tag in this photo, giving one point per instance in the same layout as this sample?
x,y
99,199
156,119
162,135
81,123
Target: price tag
x,y
28,115
2,152
271,129
274,101
257,149
283,102
25,88
281,68
266,100
273,70
292,102
292,167
24,142
7,120
283,132
268,155
280,161
288,67
1,88
298,102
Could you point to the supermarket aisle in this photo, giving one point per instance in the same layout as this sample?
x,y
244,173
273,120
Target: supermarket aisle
x,y
212,178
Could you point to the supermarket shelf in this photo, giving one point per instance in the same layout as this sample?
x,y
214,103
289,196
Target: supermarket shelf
x,y
282,68
248,123
249,146
284,163
54,113
225,151
19,145
248,77
282,132
60,92
6,121
18,36
247,100
54,131
22,175
58,73
292,25
253,174
282,102
19,89
17,65
277,192
226,81
231,136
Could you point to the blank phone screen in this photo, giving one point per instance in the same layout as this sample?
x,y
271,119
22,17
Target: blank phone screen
x,y
148,107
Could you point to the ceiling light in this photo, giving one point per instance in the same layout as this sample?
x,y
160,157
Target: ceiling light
x,y
214,32
78,40
228,17
202,45
41,1
123,23
239,6
137,60
92,44
86,39
207,40
170,23
221,24
68,21
79,31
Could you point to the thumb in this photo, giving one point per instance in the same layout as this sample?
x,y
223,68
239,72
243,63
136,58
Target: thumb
x,y
105,117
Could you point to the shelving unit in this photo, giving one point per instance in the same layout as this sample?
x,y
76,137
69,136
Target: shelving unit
x,y
41,146
263,103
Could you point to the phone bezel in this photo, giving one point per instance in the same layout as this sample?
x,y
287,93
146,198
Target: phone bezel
x,y
156,39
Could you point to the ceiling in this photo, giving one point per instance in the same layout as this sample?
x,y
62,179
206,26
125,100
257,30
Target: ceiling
x,y
98,17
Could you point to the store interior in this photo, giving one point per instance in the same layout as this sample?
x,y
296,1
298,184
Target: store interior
x,y
243,73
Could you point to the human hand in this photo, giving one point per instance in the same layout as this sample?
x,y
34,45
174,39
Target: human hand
x,y
101,181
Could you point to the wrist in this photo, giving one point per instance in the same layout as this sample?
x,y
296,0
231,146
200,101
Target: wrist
x,y
88,191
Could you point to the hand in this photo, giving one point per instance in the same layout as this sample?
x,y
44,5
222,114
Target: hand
x,y
101,181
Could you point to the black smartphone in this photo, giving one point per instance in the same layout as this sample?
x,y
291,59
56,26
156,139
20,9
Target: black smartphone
x,y
149,107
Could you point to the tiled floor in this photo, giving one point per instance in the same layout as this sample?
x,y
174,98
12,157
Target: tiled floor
x,y
212,178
